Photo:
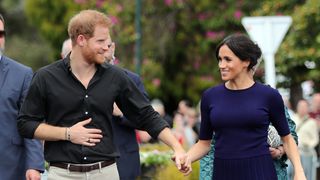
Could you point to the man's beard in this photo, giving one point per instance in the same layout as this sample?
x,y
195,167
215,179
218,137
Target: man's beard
x,y
91,57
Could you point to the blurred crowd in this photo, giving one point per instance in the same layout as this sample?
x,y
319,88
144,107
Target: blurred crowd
x,y
185,122
307,119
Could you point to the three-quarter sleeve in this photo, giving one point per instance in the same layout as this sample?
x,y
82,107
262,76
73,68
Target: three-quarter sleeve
x,y
277,113
206,127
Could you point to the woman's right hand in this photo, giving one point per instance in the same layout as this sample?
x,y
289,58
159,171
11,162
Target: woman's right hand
x,y
299,175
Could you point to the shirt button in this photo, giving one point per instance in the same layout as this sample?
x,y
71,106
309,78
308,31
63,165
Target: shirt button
x,y
86,96
86,112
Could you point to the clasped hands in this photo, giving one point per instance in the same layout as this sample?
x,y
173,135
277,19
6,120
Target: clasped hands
x,y
183,162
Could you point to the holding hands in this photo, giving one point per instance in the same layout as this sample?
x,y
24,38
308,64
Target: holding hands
x,y
182,162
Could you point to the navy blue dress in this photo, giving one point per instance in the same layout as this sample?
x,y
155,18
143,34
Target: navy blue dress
x,y
240,120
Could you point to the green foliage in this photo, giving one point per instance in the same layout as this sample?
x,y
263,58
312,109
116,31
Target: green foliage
x,y
22,41
51,18
182,37
154,158
170,171
179,37
35,54
301,43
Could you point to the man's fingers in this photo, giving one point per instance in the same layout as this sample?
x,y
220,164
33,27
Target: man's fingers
x,y
178,164
173,158
88,143
188,172
85,122
95,136
92,140
94,131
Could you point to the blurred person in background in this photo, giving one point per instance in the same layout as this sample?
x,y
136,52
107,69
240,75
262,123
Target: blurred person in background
x,y
287,103
180,120
315,114
158,106
315,107
66,48
190,132
308,138
124,131
19,158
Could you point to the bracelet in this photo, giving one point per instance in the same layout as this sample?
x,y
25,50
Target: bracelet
x,y
67,134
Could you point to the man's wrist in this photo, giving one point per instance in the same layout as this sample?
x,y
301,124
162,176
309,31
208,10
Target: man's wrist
x,y
67,134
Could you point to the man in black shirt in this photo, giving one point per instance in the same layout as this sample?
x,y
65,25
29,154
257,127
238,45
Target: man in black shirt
x,y
70,105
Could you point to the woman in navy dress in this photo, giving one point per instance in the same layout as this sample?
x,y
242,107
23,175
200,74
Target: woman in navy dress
x,y
239,111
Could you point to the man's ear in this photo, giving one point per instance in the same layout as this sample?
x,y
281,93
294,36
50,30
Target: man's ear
x,y
81,40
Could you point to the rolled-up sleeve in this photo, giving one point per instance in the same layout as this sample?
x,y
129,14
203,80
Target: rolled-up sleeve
x,y
138,110
33,108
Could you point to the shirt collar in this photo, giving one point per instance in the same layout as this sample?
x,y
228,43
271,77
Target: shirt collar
x,y
66,62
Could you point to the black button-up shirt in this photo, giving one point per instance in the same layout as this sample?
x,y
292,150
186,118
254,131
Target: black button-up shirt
x,y
57,97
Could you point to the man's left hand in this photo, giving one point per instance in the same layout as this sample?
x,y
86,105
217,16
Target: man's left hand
x,y
33,174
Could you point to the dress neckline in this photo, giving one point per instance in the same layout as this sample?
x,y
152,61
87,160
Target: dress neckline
x,y
240,90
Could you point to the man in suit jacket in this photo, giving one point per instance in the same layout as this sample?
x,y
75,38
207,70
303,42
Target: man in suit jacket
x,y
124,133
19,158
125,139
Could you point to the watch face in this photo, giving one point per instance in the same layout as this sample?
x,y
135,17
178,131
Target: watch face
x,y
274,139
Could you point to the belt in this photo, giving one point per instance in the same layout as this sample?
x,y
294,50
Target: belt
x,y
82,167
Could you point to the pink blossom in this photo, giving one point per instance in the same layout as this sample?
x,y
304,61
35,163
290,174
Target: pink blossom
x,y
156,82
114,20
202,16
99,3
119,8
211,34
214,35
206,78
168,2
196,65
80,1
237,14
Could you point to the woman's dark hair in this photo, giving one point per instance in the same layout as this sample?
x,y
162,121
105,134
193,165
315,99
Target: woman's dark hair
x,y
243,47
